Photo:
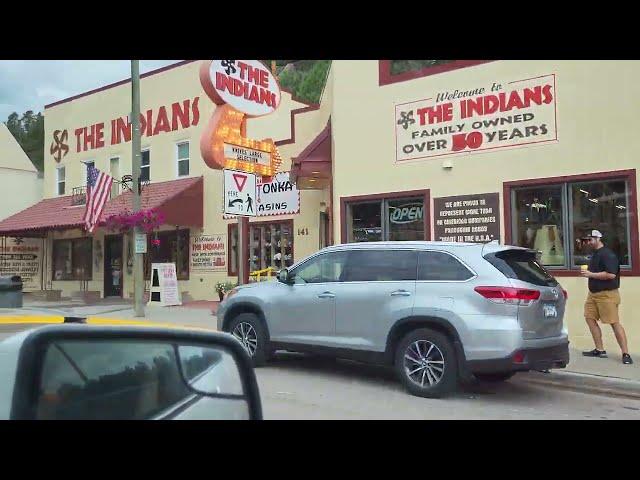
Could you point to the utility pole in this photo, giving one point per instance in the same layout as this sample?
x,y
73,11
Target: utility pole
x,y
136,160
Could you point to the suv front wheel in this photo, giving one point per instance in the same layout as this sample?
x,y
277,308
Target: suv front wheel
x,y
249,331
425,361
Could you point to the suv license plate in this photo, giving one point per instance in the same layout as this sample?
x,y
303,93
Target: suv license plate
x,y
550,311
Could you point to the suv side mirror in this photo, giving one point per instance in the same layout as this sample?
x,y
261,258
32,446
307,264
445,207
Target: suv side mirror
x,y
284,277
85,372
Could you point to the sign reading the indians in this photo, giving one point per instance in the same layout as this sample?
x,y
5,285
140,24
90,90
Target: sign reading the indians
x,y
164,119
467,218
246,85
277,197
22,256
241,89
209,253
485,117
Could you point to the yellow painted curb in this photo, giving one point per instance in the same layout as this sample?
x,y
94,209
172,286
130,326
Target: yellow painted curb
x,y
13,319
43,319
143,323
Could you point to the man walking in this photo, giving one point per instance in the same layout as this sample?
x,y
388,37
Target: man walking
x,y
249,203
604,297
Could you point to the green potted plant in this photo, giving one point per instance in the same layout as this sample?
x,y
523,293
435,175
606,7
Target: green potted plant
x,y
223,287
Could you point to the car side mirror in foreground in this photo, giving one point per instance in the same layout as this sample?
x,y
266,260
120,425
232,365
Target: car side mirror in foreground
x,y
85,372
283,276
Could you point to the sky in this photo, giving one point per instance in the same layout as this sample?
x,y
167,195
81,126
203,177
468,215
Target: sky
x,y
32,84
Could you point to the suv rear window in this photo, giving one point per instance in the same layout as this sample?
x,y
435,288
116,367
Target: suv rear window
x,y
521,265
438,266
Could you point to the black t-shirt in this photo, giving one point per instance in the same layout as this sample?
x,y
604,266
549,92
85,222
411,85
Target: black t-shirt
x,y
604,260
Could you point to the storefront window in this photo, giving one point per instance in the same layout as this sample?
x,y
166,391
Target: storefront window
x,y
270,245
553,219
539,222
72,259
404,220
603,206
170,247
365,222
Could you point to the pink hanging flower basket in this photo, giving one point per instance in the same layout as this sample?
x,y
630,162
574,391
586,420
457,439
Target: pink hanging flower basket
x,y
148,220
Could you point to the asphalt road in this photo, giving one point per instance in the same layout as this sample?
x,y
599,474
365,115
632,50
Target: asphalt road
x,y
295,386
305,387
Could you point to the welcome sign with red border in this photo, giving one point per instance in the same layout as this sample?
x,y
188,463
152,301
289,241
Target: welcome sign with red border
x,y
494,115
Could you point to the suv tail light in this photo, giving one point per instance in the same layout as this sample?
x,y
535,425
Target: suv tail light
x,y
509,295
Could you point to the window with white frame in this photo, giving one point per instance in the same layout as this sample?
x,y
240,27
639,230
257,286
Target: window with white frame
x,y
60,180
145,166
182,150
114,171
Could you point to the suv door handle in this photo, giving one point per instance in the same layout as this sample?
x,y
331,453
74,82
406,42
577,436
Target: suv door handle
x,y
326,295
401,293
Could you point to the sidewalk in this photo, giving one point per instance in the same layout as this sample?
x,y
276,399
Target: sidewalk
x,y
607,376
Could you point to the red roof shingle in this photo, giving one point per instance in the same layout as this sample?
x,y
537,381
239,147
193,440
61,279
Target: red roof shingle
x,y
180,200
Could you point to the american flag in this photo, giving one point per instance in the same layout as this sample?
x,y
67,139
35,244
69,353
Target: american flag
x,y
98,188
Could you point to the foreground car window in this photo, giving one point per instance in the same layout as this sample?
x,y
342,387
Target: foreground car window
x,y
109,380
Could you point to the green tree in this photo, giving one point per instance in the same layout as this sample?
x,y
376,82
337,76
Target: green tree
x,y
29,133
305,79
401,66
15,127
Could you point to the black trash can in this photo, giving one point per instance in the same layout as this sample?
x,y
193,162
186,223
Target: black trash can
x,y
11,291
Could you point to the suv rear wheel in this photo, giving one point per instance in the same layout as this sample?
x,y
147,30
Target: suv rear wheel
x,y
249,331
426,363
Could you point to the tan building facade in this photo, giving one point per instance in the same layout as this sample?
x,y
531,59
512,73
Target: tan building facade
x,y
94,128
21,186
19,180
531,153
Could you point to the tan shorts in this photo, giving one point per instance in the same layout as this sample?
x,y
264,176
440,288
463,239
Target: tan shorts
x,y
603,306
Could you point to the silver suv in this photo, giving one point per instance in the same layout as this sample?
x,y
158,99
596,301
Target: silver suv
x,y
438,312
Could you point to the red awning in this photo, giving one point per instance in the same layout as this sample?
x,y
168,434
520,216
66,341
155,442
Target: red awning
x,y
181,202
312,168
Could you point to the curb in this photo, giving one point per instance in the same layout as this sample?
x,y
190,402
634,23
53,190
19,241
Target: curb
x,y
91,320
587,383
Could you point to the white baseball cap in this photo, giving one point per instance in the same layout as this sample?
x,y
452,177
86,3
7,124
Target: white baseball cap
x,y
595,234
